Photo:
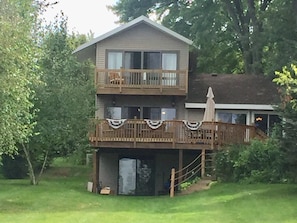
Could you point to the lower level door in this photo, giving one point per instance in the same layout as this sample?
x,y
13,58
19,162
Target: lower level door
x,y
136,176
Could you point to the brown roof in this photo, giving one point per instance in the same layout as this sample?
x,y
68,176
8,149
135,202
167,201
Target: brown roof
x,y
233,89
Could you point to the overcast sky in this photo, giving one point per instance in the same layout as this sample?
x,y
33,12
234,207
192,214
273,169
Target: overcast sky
x,y
86,15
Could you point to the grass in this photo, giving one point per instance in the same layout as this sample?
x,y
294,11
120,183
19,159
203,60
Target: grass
x,y
62,197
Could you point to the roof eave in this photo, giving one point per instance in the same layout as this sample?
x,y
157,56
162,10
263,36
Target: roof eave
x,y
265,107
131,24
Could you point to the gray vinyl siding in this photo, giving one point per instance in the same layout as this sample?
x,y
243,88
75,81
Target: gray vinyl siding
x,y
99,103
140,101
194,114
142,38
108,167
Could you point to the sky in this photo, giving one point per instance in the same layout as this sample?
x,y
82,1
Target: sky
x,y
85,15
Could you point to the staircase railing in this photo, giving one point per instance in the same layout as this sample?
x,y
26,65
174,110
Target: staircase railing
x,y
190,171
184,174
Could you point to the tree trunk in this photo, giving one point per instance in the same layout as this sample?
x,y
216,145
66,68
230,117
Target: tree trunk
x,y
249,28
43,165
30,166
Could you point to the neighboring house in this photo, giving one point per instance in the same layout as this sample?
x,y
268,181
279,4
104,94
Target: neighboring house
x,y
149,109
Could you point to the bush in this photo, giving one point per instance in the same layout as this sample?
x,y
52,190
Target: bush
x,y
14,167
224,162
258,162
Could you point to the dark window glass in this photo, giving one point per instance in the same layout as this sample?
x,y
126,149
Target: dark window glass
x,y
152,60
152,113
261,121
113,112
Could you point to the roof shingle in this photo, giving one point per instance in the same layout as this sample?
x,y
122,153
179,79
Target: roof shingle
x,y
233,89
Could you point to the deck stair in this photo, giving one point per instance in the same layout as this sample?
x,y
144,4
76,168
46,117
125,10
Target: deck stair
x,y
201,185
185,179
210,163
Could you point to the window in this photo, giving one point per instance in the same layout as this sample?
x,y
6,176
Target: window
x,y
142,60
115,60
132,60
145,60
132,112
169,62
159,113
168,114
153,113
266,122
152,60
230,117
114,112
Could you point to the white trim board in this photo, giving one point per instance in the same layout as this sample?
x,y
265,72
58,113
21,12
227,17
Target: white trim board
x,y
233,106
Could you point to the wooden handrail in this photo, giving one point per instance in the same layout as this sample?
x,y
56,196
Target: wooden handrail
x,y
142,78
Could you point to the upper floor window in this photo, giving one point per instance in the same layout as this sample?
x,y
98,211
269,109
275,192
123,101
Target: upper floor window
x,y
115,60
142,60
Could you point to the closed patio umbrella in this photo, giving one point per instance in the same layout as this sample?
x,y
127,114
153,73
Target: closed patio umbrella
x,y
209,113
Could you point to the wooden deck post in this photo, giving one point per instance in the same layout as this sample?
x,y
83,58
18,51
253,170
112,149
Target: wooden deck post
x,y
98,133
212,135
135,130
172,180
202,163
180,165
121,78
96,158
174,133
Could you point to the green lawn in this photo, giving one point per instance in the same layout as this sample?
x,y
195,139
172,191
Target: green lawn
x,y
64,199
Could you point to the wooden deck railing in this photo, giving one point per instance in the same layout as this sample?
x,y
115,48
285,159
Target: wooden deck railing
x,y
214,134
142,79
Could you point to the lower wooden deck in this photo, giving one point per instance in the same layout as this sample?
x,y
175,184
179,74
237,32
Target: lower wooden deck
x,y
176,134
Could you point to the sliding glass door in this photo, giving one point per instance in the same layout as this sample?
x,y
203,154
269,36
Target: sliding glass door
x,y
115,60
169,62
145,60
136,176
127,176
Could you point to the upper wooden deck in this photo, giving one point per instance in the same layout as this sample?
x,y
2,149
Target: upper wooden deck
x,y
141,82
170,135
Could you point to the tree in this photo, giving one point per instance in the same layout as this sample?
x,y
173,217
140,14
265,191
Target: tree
x,y
287,80
65,102
18,73
281,46
46,96
231,36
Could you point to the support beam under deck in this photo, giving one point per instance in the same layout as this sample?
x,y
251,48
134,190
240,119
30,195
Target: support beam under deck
x,y
96,158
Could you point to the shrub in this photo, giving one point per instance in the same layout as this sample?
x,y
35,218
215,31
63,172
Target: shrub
x,y
224,162
14,167
258,162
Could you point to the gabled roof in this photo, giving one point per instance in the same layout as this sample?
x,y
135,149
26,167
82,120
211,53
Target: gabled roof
x,y
139,20
233,89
